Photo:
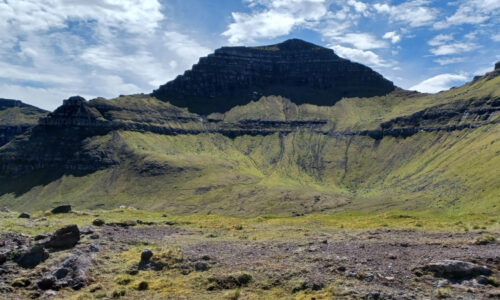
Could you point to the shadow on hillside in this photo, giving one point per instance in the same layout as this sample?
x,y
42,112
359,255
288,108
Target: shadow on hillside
x,y
21,185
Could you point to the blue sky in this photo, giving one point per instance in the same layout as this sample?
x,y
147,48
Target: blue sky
x,y
52,49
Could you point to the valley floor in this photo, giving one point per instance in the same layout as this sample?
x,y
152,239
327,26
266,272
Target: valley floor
x,y
345,256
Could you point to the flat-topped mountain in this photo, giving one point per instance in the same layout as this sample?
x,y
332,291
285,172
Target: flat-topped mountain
x,y
295,69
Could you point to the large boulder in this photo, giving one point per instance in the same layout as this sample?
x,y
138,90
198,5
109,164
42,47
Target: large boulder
x,y
72,272
61,209
146,255
456,269
64,238
46,283
24,216
32,257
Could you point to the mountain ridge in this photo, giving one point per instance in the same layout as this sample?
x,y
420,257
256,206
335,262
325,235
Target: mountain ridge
x,y
295,69
401,150
16,118
269,156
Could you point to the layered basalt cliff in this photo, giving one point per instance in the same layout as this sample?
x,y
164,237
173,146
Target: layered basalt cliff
x,y
297,70
7,133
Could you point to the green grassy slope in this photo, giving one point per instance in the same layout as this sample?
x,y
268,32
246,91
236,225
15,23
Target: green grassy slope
x,y
19,113
364,113
303,172
300,172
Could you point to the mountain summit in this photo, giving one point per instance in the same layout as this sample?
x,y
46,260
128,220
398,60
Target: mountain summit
x,y
295,69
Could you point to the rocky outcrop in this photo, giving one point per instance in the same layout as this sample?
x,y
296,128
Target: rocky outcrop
x,y
32,257
64,238
8,133
456,269
294,69
456,113
61,209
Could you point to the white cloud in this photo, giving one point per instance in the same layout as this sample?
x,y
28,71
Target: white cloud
x,y
496,37
276,19
47,98
186,48
38,15
439,83
51,97
453,48
440,39
365,57
393,36
363,41
471,12
13,72
414,13
482,71
448,61
52,49
359,7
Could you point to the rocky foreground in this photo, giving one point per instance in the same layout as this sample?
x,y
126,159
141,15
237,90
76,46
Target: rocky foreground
x,y
154,256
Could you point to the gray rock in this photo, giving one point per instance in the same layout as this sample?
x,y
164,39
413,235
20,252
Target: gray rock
x,y
39,237
64,238
61,273
5,210
77,266
46,283
443,282
98,222
61,209
456,269
32,257
146,255
49,295
86,230
24,216
483,280
94,248
201,266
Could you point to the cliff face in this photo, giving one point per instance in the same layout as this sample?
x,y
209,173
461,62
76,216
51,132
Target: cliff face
x,y
297,70
16,118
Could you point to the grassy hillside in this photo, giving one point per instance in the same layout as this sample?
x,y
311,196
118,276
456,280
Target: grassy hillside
x,y
300,172
15,113
364,113
303,172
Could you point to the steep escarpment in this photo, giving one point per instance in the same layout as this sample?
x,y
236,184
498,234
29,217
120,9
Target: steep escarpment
x,y
16,118
297,70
